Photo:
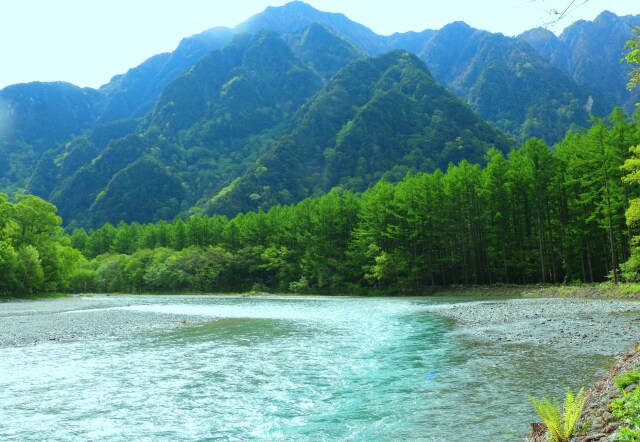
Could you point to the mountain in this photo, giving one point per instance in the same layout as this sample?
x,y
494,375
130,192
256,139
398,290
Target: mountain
x,y
590,53
249,85
296,16
377,118
207,127
134,93
220,117
43,113
35,117
479,67
253,125
507,82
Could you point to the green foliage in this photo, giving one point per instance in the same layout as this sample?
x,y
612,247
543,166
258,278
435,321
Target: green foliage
x,y
633,57
631,166
560,422
34,255
626,379
299,286
82,281
627,410
29,272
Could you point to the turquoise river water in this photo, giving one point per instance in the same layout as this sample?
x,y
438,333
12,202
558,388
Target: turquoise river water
x,y
301,369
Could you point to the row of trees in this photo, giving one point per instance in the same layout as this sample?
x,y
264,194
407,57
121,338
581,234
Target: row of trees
x,y
537,215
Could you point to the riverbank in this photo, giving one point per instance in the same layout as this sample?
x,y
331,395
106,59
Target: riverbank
x,y
72,318
599,291
558,323
597,423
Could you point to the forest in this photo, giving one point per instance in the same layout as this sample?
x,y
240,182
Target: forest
x,y
535,215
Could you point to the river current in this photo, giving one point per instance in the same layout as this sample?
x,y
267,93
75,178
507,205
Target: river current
x,y
301,369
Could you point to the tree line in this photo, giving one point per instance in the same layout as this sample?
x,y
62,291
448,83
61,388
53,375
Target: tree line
x,y
536,215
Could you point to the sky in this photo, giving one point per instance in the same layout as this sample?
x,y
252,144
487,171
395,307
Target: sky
x,y
86,42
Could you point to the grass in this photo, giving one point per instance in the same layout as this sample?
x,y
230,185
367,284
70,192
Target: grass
x,y
626,379
560,422
32,296
629,289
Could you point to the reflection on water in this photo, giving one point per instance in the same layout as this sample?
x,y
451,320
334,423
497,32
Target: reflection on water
x,y
282,369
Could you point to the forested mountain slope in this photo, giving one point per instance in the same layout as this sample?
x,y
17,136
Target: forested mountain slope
x,y
208,126
378,118
508,83
252,125
34,118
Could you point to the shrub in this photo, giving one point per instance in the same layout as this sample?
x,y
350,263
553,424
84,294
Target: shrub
x,y
299,286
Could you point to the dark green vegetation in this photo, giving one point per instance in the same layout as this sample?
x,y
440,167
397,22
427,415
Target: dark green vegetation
x,y
535,215
237,120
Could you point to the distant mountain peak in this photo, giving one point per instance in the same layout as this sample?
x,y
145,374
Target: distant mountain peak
x,y
296,16
295,6
290,17
606,16
538,33
459,24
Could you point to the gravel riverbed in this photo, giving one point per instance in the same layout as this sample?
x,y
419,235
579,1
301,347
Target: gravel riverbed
x,y
599,326
68,319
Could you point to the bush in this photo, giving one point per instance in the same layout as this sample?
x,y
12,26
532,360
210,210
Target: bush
x,y
299,286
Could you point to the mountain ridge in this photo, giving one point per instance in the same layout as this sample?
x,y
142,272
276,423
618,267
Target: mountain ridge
x,y
207,121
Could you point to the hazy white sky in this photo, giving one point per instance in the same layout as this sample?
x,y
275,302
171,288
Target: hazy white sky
x,y
86,42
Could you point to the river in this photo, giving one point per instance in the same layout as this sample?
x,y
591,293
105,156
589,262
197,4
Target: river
x,y
293,368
